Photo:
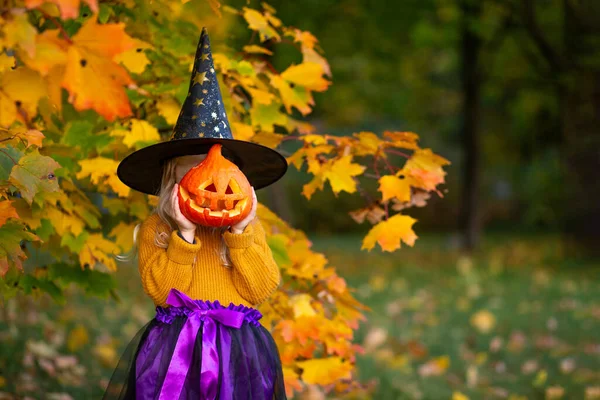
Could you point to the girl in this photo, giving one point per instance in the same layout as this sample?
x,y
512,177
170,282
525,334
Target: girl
x,y
206,341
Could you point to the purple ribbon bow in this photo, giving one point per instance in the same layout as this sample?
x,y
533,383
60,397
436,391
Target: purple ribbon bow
x,y
184,349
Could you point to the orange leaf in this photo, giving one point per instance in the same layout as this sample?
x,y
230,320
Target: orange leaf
x,y
93,80
426,169
7,211
389,234
68,8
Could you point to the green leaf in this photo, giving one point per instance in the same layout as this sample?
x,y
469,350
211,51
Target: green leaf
x,y
45,230
92,282
9,157
79,133
34,174
75,244
277,243
105,13
11,234
266,116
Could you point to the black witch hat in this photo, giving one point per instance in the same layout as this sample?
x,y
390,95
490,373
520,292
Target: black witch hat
x,y
201,124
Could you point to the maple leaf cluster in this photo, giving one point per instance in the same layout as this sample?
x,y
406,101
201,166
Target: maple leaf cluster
x,y
83,84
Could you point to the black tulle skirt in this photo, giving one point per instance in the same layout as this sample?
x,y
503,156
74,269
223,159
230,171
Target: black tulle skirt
x,y
199,350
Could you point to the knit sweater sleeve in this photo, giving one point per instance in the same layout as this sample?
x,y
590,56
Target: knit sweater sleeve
x,y
162,269
255,274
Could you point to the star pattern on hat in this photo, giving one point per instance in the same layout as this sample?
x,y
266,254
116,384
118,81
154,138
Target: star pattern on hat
x,y
203,113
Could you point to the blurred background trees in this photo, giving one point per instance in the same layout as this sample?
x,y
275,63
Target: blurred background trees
x,y
507,90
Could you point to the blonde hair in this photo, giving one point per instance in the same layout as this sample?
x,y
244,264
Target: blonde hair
x,y
162,237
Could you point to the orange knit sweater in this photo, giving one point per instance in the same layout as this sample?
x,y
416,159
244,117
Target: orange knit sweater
x,y
253,277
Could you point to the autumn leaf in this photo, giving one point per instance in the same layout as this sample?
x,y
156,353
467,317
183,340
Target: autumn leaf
x,y
21,135
11,235
169,109
266,116
324,371
309,75
20,91
389,234
98,250
373,213
135,59
50,51
254,49
33,174
140,132
6,62
19,32
68,8
7,211
368,143
123,234
308,43
300,303
297,97
341,172
425,168
484,321
392,186
260,23
406,140
103,170
242,131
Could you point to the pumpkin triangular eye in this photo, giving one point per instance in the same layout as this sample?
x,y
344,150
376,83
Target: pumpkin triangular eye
x,y
229,190
211,188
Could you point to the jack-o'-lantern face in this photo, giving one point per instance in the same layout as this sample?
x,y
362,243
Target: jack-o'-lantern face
x,y
215,192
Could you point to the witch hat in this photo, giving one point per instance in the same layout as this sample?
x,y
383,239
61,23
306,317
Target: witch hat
x,y
202,123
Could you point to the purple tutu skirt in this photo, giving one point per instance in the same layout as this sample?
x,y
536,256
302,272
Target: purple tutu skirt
x,y
199,350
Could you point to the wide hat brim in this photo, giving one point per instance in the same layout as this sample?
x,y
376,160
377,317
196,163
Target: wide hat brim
x,y
143,169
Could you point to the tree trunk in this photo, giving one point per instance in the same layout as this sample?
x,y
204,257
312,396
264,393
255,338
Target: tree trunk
x,y
581,122
470,223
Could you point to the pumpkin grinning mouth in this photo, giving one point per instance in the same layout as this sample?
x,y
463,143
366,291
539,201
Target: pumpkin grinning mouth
x,y
202,202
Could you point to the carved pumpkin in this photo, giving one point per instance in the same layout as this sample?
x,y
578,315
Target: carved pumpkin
x,y
215,192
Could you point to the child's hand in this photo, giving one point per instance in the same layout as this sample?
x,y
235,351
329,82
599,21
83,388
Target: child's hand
x,y
186,227
240,226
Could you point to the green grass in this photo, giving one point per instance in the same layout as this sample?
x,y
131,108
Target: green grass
x,y
546,309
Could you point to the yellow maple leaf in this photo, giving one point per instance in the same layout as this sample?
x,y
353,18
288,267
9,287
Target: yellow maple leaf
x,y
392,186
308,42
98,250
242,131
254,49
341,172
406,140
260,23
389,234
22,135
19,32
325,371
123,234
169,109
6,62
297,97
268,139
63,222
20,89
261,96
308,74
140,132
103,170
68,8
301,304
368,143
135,59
